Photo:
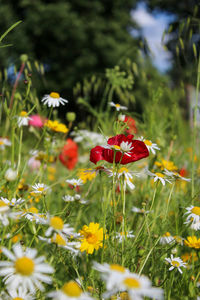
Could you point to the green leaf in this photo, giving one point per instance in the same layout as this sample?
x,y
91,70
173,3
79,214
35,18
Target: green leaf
x,y
8,30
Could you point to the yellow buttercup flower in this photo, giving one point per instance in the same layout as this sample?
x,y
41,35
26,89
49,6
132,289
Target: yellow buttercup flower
x,y
56,126
192,242
166,164
92,238
86,175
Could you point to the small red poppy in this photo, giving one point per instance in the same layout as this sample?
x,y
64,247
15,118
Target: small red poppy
x,y
69,154
123,148
131,124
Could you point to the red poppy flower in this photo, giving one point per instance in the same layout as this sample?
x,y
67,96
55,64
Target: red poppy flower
x,y
69,154
131,124
124,148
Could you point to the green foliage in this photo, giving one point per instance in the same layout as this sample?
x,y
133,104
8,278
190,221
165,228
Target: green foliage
x,y
72,39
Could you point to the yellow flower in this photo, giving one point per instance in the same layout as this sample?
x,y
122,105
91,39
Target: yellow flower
x,y
56,126
189,257
86,175
92,238
192,242
166,164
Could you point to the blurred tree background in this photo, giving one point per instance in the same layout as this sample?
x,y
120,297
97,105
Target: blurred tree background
x,y
73,39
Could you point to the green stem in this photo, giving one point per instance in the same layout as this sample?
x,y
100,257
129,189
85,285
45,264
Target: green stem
x,y
123,189
20,148
168,200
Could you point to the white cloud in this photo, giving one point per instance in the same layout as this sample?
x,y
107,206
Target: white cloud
x,y
153,27
143,18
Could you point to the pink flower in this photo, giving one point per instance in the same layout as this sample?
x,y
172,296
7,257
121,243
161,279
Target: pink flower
x,y
36,121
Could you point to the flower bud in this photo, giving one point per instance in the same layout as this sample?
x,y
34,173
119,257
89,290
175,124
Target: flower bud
x,y
121,118
10,175
24,58
70,116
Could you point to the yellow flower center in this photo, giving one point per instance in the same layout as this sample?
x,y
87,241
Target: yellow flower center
x,y
23,113
159,175
132,283
1,142
41,189
121,170
17,298
117,105
2,203
71,289
167,234
148,143
91,238
196,210
175,263
117,268
54,95
24,266
116,147
58,239
33,210
56,223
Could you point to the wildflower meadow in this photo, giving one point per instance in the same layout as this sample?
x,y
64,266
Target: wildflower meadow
x,y
102,208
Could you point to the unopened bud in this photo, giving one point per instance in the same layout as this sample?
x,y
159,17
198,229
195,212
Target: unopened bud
x,y
121,118
10,175
71,116
24,58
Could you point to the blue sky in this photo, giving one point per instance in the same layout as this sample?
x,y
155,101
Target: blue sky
x,y
153,26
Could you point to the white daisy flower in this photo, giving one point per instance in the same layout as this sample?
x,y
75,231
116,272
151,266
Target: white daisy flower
x,y
112,274
193,216
158,176
89,138
6,213
166,238
76,197
53,99
138,287
176,262
124,148
195,225
176,175
56,225
17,294
118,106
4,142
75,182
179,240
63,242
139,210
150,145
25,269
13,201
121,236
32,214
70,291
23,119
128,178
39,188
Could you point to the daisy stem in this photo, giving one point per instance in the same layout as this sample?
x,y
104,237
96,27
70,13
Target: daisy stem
x,y
154,196
168,200
148,256
20,148
114,200
123,191
170,286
